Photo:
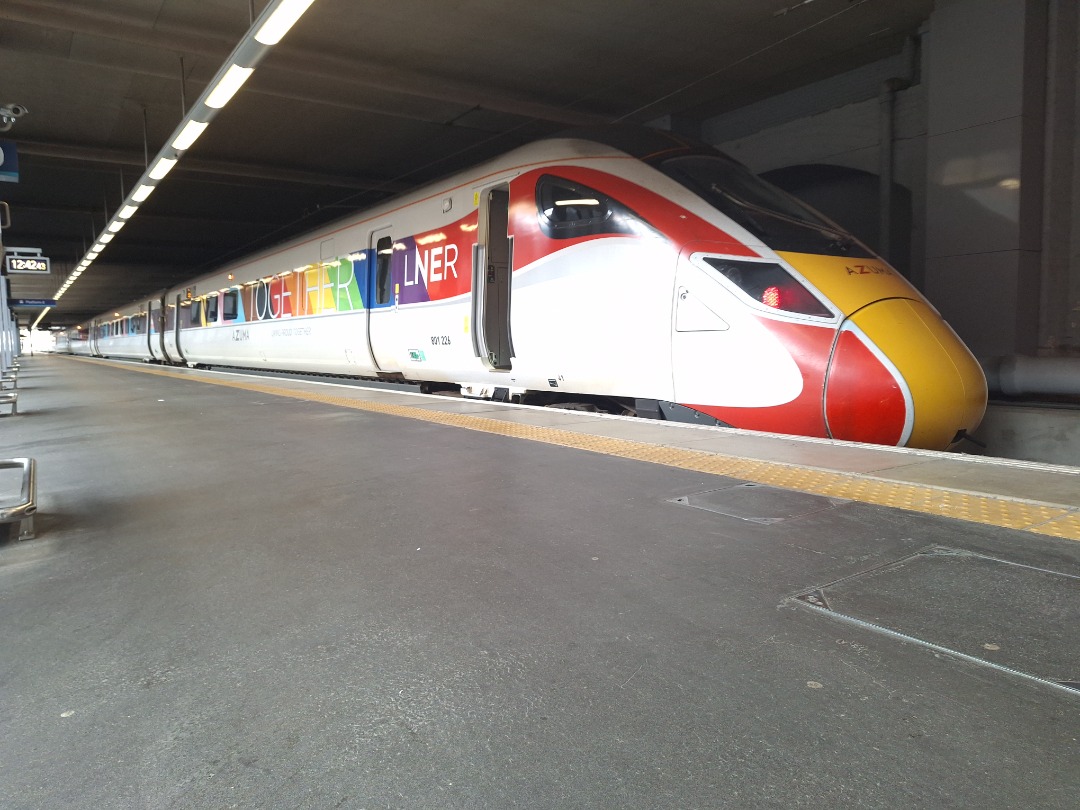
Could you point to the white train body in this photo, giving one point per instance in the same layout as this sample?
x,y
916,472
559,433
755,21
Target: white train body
x,y
568,270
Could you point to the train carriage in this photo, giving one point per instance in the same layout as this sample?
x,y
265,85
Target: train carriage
x,y
626,272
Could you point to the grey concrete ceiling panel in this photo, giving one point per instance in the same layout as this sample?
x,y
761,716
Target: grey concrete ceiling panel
x,y
360,101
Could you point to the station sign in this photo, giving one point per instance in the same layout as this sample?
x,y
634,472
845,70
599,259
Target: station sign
x,y
32,302
25,260
27,264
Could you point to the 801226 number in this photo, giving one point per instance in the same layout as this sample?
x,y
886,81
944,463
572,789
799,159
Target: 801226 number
x,y
440,340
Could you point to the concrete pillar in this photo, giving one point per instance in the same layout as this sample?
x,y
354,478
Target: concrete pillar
x,y
1059,322
986,114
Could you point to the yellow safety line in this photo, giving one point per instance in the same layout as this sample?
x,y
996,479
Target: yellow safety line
x,y
1056,521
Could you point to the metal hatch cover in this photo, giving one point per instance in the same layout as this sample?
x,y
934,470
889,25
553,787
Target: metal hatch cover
x,y
759,504
992,612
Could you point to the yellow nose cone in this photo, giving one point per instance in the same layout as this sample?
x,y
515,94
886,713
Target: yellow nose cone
x,y
945,381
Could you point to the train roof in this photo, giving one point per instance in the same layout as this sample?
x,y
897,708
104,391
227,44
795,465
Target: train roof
x,y
651,146
646,144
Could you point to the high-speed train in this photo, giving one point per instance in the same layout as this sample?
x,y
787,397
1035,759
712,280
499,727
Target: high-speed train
x,y
626,272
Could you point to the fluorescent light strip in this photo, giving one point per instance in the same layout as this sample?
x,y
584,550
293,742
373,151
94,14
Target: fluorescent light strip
x,y
188,135
232,81
270,33
283,18
162,168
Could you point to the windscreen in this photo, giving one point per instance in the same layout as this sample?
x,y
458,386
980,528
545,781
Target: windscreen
x,y
773,216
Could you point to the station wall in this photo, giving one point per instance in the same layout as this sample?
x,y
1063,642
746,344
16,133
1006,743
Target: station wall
x,y
983,109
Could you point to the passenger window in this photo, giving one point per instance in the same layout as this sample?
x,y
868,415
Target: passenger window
x,y
384,252
196,313
211,309
230,308
568,210
770,285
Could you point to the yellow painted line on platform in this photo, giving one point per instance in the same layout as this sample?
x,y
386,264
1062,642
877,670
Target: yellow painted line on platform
x,y
1029,516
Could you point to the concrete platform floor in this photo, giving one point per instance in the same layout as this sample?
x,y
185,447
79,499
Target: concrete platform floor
x,y
239,599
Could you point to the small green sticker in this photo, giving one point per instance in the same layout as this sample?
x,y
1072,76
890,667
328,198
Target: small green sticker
x,y
417,356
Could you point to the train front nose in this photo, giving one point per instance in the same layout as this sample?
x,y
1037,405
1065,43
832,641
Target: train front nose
x,y
900,375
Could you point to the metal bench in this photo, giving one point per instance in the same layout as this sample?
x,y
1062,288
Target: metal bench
x,y
23,508
10,398
8,381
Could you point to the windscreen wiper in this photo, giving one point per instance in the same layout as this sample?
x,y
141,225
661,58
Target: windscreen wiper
x,y
841,239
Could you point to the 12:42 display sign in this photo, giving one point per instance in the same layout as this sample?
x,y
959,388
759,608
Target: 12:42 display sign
x,y
27,264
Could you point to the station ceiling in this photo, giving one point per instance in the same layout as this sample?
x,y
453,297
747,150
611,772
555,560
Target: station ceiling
x,y
362,100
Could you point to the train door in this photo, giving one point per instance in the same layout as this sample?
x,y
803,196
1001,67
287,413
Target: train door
x,y
94,328
151,330
492,268
176,332
722,341
379,295
165,326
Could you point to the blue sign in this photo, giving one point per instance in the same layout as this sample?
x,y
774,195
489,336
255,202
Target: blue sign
x,y
32,302
9,162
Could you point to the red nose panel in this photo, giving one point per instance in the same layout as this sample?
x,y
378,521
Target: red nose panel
x,y
863,400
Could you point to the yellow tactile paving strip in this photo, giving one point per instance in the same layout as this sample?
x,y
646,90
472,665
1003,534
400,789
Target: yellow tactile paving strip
x,y
1040,518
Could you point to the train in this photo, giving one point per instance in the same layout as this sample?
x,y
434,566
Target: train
x,y
631,272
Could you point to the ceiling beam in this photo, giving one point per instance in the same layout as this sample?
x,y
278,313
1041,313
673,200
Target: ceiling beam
x,y
219,168
291,61
48,208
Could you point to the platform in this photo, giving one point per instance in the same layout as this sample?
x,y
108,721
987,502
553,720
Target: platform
x,y
267,592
